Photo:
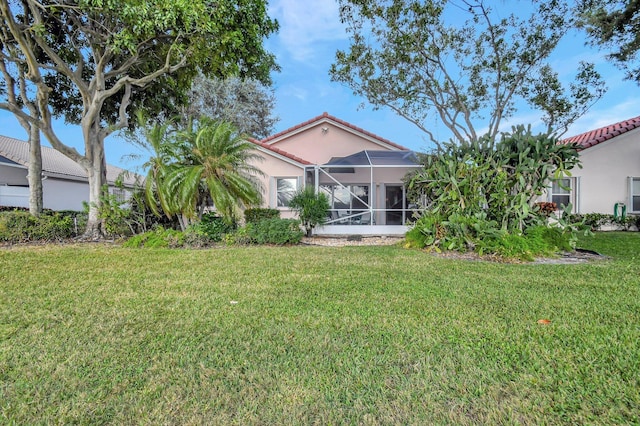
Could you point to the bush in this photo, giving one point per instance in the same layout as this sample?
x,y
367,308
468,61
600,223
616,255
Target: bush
x,y
488,188
457,232
20,227
275,231
256,215
312,208
157,238
536,241
214,227
482,235
595,221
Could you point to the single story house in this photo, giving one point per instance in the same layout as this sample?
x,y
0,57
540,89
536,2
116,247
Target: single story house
x,y
360,172
609,180
65,185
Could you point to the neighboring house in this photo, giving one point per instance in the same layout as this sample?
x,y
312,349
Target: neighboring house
x,y
360,172
64,186
610,175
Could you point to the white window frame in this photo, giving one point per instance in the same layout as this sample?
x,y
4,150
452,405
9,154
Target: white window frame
x,y
634,191
120,194
276,192
573,185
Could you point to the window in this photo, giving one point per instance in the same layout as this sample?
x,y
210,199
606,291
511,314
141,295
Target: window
x,y
349,202
286,188
561,192
119,193
635,194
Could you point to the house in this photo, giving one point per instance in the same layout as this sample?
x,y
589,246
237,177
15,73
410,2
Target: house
x,y
609,180
360,172
65,185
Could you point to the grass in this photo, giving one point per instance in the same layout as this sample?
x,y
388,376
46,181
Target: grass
x,y
301,335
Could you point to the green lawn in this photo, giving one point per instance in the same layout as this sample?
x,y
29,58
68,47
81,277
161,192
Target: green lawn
x,y
356,335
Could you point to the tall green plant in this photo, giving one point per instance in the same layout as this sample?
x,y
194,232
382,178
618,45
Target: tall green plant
x,y
312,208
495,183
216,165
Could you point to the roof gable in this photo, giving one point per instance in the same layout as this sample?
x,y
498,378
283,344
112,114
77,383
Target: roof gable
x,y
270,149
603,134
54,162
327,118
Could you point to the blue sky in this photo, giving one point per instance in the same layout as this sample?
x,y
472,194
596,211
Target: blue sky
x,y
305,48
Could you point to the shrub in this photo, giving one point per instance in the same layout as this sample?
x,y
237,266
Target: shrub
x,y
241,236
457,232
214,227
595,221
312,208
426,231
488,188
275,231
258,214
157,238
20,227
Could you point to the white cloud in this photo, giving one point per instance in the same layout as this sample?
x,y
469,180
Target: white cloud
x,y
294,91
597,118
304,25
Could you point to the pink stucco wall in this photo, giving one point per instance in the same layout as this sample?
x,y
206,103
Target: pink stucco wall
x,y
318,146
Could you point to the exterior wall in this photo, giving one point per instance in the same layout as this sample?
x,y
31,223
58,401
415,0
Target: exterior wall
x,y
14,190
274,167
606,167
13,175
64,194
319,146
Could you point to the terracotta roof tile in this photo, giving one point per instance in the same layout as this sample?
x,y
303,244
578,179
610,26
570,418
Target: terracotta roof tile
x,y
280,151
594,137
327,116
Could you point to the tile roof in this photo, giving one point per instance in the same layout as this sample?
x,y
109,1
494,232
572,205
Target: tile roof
x,y
594,137
54,162
280,151
326,116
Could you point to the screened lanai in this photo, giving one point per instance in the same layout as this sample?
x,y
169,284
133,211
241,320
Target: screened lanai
x,y
365,191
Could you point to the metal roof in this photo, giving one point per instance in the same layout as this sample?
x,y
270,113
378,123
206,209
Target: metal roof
x,y
375,158
55,163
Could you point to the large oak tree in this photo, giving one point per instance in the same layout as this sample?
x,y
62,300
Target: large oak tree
x,y
464,62
90,60
614,25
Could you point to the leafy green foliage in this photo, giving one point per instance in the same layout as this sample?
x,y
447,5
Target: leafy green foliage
x,y
461,64
214,227
502,180
257,214
312,208
596,221
94,61
158,238
613,25
194,166
486,190
275,231
22,227
536,241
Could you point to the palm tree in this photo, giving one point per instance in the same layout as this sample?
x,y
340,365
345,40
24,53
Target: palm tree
x,y
160,142
216,166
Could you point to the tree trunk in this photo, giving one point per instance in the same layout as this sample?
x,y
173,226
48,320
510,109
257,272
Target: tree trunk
x,y
97,175
35,172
